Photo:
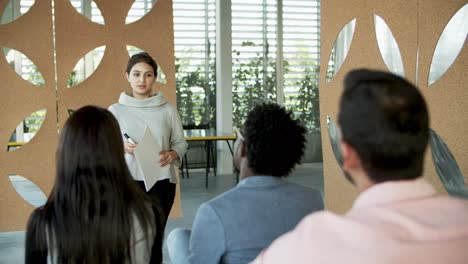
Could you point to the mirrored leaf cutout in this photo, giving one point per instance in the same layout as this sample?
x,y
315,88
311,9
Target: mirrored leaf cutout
x,y
26,130
96,15
90,10
132,50
447,167
335,140
15,9
23,66
138,10
86,66
388,47
29,191
449,45
340,49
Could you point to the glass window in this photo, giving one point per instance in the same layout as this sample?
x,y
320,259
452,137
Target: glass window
x,y
276,49
194,43
301,55
254,38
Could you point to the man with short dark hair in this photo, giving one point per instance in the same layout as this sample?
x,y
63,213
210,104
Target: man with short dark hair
x,y
235,226
398,217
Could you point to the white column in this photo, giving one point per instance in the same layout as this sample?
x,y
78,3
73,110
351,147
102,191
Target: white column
x,y
224,81
279,54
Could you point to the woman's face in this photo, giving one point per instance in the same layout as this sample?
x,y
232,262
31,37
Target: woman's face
x,y
141,78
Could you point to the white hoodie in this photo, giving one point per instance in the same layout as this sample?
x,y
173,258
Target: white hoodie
x,y
161,118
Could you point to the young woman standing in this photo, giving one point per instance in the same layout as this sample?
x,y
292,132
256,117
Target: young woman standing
x,y
141,108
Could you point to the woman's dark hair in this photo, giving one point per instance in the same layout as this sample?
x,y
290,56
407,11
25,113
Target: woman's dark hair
x,y
90,214
385,119
142,57
275,140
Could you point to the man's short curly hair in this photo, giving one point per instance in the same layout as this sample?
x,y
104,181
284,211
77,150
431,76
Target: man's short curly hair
x,y
275,140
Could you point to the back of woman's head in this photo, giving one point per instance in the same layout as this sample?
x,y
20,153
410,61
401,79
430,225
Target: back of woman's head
x,y
94,199
91,150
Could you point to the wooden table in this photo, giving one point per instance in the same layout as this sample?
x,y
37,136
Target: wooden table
x,y
14,145
209,136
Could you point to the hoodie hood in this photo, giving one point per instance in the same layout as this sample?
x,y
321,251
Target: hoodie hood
x,y
156,99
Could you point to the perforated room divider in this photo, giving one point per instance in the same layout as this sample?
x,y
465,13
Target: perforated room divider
x,y
54,36
417,27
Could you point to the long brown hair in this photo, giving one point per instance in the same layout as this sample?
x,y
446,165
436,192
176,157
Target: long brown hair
x,y
90,213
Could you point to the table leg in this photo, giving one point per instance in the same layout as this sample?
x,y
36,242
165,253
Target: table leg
x,y
207,145
213,156
229,145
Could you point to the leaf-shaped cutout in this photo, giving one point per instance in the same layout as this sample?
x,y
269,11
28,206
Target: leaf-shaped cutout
x,y
388,47
132,50
450,43
96,15
335,140
88,9
23,66
138,10
26,129
340,48
447,167
15,9
86,66
29,191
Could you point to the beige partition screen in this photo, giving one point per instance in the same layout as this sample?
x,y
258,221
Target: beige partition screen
x,y
37,34
416,26
31,35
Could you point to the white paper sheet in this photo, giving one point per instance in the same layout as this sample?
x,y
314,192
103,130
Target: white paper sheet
x,y
147,156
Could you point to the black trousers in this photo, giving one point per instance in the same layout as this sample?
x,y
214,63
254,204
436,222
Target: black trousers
x,y
163,194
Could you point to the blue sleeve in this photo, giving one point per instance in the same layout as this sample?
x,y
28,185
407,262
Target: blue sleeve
x,y
207,241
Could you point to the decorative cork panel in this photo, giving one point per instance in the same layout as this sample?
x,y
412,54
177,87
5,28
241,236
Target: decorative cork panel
x,y
448,96
75,36
30,34
416,25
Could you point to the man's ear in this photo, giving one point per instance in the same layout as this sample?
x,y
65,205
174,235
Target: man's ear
x,y
243,149
351,159
126,76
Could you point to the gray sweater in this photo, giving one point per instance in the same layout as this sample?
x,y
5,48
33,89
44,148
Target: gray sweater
x,y
161,118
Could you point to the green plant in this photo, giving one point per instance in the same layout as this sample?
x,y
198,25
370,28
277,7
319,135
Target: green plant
x,y
307,100
254,82
72,79
196,95
33,122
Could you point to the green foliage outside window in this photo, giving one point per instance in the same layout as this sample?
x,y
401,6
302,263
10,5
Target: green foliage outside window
x,y
33,122
196,97
307,101
254,81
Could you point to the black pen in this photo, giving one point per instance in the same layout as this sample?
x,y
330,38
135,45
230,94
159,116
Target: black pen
x,y
129,139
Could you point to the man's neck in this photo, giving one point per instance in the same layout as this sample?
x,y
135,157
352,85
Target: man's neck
x,y
362,181
246,172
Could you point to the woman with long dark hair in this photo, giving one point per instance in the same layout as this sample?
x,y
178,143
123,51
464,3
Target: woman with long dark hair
x,y
95,212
